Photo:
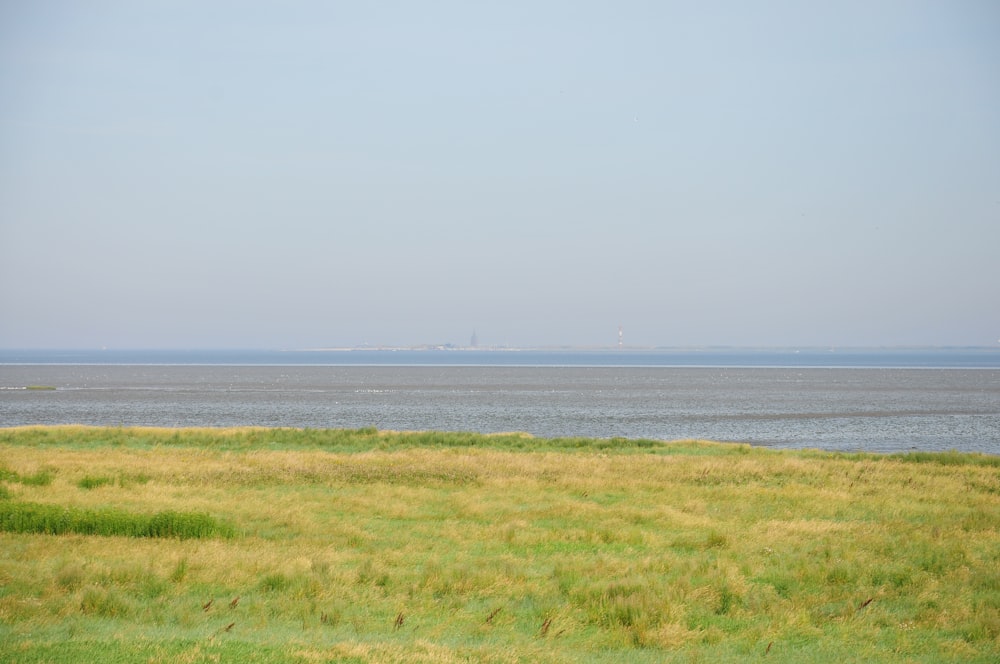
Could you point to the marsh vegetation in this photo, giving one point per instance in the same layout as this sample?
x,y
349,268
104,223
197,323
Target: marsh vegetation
x,y
370,546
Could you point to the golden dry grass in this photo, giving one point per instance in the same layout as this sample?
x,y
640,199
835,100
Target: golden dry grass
x,y
686,552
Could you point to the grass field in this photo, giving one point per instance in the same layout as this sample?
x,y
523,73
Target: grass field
x,y
269,545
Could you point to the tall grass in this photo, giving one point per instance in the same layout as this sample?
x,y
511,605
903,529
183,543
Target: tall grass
x,y
22,517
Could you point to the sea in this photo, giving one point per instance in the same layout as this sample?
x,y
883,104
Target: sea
x,y
850,400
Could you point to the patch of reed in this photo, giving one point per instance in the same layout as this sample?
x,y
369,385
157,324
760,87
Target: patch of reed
x,y
92,482
38,518
39,478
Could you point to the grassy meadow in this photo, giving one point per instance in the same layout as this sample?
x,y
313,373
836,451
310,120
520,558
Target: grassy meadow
x,y
280,545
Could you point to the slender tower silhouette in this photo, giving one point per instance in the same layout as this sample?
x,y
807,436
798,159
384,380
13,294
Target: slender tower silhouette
x,y
619,337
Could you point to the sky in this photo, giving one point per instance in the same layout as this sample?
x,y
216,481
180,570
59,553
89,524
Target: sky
x,y
303,174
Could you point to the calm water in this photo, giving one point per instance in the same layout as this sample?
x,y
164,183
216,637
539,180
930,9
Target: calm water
x,y
863,400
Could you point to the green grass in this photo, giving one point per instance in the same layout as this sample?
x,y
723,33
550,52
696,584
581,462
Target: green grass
x,y
370,546
94,482
37,478
21,517
336,440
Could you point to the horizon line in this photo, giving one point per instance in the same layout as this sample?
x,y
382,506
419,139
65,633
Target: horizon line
x,y
447,347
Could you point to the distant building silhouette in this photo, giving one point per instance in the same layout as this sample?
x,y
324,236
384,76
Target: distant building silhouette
x,y
475,340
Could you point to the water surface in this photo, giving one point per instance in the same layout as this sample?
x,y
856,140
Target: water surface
x,y
882,409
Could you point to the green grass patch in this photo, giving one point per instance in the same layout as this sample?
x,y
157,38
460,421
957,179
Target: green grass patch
x,y
90,482
22,517
38,478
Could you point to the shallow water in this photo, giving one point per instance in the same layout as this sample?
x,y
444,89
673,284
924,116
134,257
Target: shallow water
x,y
850,409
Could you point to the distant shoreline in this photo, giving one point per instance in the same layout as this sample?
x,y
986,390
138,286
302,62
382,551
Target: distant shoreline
x,y
505,348
951,357
633,348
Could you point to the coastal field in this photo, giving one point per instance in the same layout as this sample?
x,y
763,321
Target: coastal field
x,y
282,545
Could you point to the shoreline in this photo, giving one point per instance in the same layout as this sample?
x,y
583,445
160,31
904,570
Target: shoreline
x,y
515,441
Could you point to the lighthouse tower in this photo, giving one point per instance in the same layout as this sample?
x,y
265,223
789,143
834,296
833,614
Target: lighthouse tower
x,y
619,337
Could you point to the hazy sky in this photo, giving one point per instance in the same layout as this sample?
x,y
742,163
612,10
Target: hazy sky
x,y
302,174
